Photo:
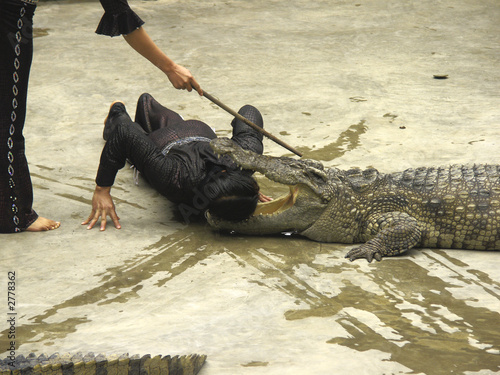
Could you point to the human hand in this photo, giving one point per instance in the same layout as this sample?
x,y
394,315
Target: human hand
x,y
181,78
264,198
102,206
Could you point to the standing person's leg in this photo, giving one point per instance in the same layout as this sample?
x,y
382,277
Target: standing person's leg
x,y
16,191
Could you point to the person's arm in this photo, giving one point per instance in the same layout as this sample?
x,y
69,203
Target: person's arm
x,y
120,19
180,77
102,206
113,158
129,141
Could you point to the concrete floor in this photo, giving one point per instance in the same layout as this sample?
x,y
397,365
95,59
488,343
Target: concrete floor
x,y
349,83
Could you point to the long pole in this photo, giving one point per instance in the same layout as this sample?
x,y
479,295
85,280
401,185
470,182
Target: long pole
x,y
250,123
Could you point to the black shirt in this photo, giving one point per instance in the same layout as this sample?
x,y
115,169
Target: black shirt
x,y
118,18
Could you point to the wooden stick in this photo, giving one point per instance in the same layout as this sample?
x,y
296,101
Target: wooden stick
x,y
250,123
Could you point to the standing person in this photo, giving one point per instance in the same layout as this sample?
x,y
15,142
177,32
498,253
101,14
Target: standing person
x,y
16,46
175,157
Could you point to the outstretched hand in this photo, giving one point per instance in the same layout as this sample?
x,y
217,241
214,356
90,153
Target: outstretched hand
x,y
102,206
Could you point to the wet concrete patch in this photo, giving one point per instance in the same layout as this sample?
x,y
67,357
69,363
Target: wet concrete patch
x,y
347,140
406,307
39,32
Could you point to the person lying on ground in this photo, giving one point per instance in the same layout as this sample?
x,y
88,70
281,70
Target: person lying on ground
x,y
16,43
175,157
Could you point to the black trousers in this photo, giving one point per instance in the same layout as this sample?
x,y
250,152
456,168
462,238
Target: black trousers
x,y
16,46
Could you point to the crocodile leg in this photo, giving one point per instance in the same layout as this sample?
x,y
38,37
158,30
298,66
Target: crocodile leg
x,y
396,232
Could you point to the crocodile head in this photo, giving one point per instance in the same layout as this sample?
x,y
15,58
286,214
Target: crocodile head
x,y
309,192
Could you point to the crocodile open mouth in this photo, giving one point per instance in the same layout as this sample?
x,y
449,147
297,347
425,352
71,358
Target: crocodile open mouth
x,y
278,205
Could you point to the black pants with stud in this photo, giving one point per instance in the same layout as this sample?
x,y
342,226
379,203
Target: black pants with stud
x,y
16,46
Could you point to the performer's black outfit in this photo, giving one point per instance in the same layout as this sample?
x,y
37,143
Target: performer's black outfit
x,y
173,155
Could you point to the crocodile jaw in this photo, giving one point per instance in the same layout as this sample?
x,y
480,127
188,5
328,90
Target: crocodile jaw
x,y
277,205
295,211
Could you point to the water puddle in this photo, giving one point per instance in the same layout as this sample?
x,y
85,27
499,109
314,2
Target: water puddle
x,y
425,304
255,364
40,32
415,312
347,141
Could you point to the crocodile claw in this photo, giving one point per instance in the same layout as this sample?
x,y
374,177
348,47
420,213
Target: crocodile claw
x,y
364,252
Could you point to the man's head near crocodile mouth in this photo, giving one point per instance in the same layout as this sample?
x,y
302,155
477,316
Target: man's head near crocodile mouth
x,y
295,211
278,215
229,189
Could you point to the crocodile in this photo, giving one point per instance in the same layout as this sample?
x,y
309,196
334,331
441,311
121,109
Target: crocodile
x,y
452,207
90,364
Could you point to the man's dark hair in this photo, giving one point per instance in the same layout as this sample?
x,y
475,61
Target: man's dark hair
x,y
233,195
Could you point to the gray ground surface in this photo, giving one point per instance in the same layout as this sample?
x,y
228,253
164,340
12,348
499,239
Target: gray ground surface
x,y
349,83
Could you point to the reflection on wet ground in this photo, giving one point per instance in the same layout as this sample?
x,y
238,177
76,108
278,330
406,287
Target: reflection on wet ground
x,y
414,312
415,307
348,140
39,32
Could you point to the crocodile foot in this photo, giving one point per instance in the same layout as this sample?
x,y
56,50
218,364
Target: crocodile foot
x,y
364,251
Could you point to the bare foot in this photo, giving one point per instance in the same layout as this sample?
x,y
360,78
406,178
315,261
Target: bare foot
x,y
42,224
